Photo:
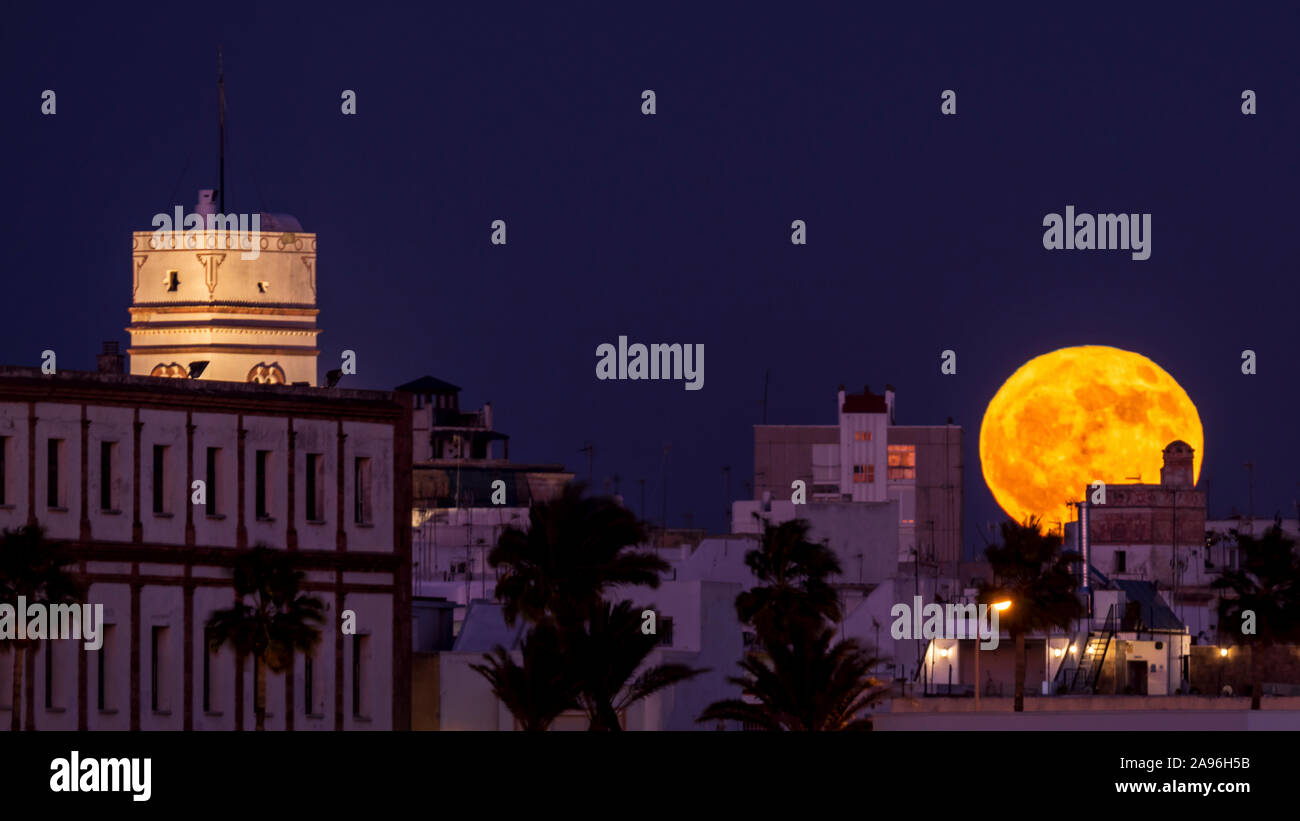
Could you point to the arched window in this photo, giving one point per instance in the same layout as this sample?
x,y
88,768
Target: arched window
x,y
264,374
170,371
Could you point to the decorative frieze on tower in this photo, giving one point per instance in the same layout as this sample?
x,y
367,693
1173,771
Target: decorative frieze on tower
x,y
237,294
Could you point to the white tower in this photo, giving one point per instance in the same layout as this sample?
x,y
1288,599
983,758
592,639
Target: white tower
x,y
238,294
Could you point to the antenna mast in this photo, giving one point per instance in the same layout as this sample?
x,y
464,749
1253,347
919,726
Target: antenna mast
x,y
221,135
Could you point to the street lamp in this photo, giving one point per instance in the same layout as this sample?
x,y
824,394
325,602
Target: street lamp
x,y
1001,607
1223,655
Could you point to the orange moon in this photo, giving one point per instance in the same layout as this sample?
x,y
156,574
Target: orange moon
x,y
1079,415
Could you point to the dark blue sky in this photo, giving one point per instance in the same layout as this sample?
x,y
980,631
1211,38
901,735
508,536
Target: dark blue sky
x,y
924,231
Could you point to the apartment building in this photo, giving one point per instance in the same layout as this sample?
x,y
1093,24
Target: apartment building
x,y
109,464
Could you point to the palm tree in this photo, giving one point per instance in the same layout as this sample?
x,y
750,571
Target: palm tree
x,y
605,656
1031,570
280,620
807,685
35,569
540,689
580,648
795,596
1267,583
574,549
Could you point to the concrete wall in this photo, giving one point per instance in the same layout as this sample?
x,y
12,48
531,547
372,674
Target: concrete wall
x,y
863,534
939,486
783,453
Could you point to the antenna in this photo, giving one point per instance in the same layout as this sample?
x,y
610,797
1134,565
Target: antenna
x,y
221,134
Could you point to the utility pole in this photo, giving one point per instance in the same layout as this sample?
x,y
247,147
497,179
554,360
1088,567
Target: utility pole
x,y
590,449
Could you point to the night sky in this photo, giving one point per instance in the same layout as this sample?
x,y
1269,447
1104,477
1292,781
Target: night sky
x,y
924,232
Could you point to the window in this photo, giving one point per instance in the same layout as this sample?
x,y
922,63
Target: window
x,y
173,280
871,473
859,473
361,490
157,645
263,500
210,478
107,451
101,684
308,684
315,488
666,631
862,436
207,665
1121,561
4,471
358,648
49,675
53,456
159,478
902,462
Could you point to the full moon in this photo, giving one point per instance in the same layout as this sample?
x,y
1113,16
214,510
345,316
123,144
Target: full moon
x,y
1079,415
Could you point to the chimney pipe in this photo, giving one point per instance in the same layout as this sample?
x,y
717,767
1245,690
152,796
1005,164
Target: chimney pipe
x,y
110,360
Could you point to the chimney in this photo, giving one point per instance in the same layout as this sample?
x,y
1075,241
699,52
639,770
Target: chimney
x,y
1177,469
110,360
889,402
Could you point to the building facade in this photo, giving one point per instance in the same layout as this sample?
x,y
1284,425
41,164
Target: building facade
x,y
108,464
1157,533
865,457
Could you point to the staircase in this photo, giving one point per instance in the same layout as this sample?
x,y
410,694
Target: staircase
x,y
1094,656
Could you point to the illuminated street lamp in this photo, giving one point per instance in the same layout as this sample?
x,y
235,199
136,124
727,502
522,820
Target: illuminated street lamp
x,y
1001,607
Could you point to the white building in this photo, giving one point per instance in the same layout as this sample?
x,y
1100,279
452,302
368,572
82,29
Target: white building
x,y
106,463
864,458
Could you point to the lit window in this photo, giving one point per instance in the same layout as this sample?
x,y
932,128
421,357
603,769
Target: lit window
x,y
862,436
902,461
860,473
871,473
